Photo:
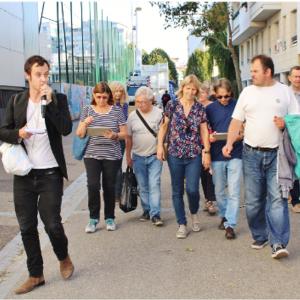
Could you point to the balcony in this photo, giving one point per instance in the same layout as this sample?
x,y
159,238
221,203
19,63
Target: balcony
x,y
262,11
243,27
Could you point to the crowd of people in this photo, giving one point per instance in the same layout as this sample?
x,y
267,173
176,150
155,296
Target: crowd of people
x,y
204,135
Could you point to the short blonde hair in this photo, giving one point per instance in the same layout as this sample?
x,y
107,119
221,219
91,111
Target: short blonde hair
x,y
116,85
190,79
205,86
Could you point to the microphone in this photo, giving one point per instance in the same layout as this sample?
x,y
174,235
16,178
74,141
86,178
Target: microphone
x,y
43,105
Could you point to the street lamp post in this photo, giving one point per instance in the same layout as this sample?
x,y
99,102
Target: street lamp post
x,y
138,57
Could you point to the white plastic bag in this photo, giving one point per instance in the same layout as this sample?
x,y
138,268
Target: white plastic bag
x,y
15,160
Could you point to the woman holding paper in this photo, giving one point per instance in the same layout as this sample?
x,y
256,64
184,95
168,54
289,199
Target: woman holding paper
x,y
103,153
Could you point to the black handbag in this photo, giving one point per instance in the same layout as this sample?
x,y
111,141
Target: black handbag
x,y
129,191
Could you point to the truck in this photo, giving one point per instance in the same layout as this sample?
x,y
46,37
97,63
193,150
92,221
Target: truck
x,y
135,81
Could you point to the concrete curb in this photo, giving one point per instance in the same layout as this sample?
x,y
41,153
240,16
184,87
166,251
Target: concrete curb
x,y
12,256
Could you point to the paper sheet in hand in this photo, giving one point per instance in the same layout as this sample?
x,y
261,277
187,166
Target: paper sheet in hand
x,y
220,136
97,131
35,130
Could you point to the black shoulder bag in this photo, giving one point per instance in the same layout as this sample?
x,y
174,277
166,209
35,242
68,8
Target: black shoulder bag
x,y
146,124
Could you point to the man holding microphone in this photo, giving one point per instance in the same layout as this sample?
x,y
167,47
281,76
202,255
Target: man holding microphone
x,y
37,118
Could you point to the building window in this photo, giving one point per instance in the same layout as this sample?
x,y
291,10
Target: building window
x,y
248,52
256,45
293,27
242,55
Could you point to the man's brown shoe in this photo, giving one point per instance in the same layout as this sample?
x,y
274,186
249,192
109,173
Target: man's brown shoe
x,y
30,284
66,268
229,233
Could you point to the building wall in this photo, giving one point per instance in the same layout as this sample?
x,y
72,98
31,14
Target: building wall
x,y
275,40
18,40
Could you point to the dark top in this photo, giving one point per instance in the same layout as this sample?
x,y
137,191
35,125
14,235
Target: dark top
x,y
57,118
219,118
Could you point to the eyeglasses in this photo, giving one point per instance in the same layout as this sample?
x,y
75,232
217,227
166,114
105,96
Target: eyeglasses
x,y
225,97
101,97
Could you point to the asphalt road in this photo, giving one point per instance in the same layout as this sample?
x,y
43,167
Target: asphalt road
x,y
140,260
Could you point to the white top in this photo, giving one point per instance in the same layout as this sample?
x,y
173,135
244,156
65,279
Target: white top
x,y
297,95
38,145
143,141
258,106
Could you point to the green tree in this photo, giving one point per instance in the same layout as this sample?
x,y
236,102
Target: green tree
x,y
211,21
158,55
200,64
145,58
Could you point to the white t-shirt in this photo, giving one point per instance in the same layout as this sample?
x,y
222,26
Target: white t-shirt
x,y
258,106
38,145
143,142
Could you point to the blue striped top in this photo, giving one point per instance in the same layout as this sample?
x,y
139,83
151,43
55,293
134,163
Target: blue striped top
x,y
100,147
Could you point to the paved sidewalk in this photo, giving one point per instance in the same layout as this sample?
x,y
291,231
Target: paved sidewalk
x,y
142,261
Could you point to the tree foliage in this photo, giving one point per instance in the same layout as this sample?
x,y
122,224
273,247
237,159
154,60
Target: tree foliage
x,y
158,55
200,64
210,21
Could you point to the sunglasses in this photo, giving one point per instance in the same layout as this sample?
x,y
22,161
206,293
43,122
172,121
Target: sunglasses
x,y
225,97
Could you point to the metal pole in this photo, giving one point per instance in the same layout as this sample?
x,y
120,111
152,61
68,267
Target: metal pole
x,y
108,52
65,42
58,42
97,50
72,43
42,12
82,49
91,44
103,50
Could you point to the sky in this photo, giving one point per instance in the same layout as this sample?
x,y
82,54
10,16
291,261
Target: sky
x,y
150,27
151,30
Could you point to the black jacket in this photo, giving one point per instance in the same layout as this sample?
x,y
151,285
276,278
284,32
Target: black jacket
x,y
57,118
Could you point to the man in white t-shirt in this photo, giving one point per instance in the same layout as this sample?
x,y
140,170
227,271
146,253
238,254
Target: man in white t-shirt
x,y
262,107
141,147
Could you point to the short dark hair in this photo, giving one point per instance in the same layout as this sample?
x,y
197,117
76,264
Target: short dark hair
x,y
297,68
223,83
266,62
103,87
35,59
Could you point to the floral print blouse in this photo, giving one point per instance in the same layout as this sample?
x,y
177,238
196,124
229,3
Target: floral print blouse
x,y
184,140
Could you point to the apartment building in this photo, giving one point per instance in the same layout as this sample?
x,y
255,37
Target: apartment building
x,y
271,28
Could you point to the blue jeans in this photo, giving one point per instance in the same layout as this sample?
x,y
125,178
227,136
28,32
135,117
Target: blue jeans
x,y
148,170
228,173
190,169
267,211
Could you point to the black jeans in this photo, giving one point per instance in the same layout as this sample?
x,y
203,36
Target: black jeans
x,y
295,193
207,185
108,168
119,183
40,191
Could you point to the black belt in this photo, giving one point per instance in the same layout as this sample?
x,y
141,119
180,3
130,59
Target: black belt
x,y
43,172
263,149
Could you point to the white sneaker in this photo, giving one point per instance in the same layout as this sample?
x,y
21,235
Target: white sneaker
x,y
181,232
195,222
110,225
91,227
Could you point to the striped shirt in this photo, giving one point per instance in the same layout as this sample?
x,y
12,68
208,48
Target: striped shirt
x,y
100,147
